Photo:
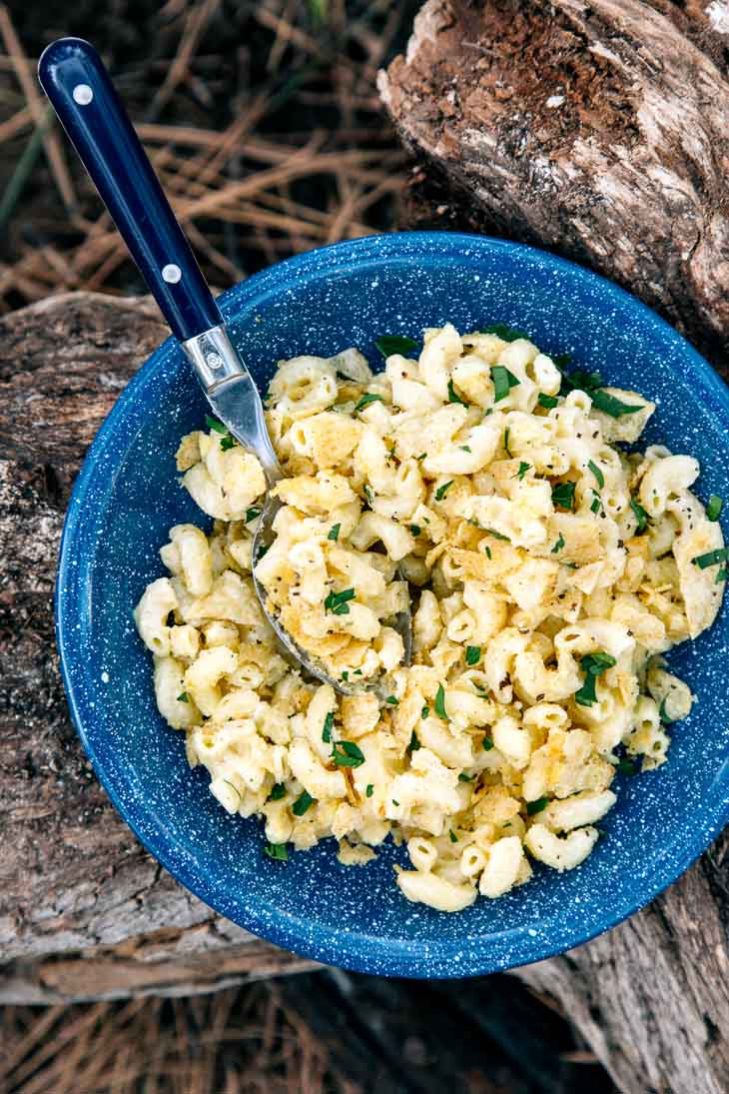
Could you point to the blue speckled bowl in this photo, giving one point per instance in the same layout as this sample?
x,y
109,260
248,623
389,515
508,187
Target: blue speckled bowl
x,y
127,496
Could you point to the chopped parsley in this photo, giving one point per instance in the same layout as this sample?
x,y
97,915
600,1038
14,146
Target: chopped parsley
x,y
597,663
443,490
277,851
302,803
278,791
453,836
326,733
591,382
714,507
596,503
367,398
640,514
597,473
415,529
183,697
464,778
388,344
711,558
487,744
334,532
662,712
558,545
453,396
587,695
721,575
263,550
504,332
612,406
392,700
547,401
464,447
347,754
226,440
336,603
536,806
414,743
487,551
593,665
440,709
507,450
370,790
503,381
577,380
252,513
627,767
523,468
496,535
425,712
216,426
345,675
473,655
563,495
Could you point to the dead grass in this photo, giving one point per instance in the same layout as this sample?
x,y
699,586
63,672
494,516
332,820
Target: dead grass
x,y
237,1040
261,118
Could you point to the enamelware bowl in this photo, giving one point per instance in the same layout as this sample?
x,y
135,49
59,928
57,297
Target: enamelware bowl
x,y
127,496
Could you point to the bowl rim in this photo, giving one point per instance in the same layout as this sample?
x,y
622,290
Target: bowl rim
x,y
353,950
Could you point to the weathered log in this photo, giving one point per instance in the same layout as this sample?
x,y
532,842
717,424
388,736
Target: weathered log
x,y
652,996
72,876
86,913
596,128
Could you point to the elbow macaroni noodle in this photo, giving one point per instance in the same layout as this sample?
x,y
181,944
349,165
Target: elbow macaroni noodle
x,y
549,571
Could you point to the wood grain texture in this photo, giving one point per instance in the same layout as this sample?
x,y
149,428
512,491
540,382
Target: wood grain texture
x,y
598,129
196,960
652,996
72,875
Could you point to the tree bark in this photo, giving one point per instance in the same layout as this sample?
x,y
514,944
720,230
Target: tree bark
x,y
597,129
85,913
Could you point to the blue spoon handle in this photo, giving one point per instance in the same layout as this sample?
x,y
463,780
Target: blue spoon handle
x,y
74,78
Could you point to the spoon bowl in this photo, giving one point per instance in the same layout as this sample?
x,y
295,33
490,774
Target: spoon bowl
x,y
402,622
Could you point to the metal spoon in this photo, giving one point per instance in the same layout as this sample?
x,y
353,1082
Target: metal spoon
x,y
79,88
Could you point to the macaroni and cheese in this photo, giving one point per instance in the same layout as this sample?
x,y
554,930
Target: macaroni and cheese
x,y
549,571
